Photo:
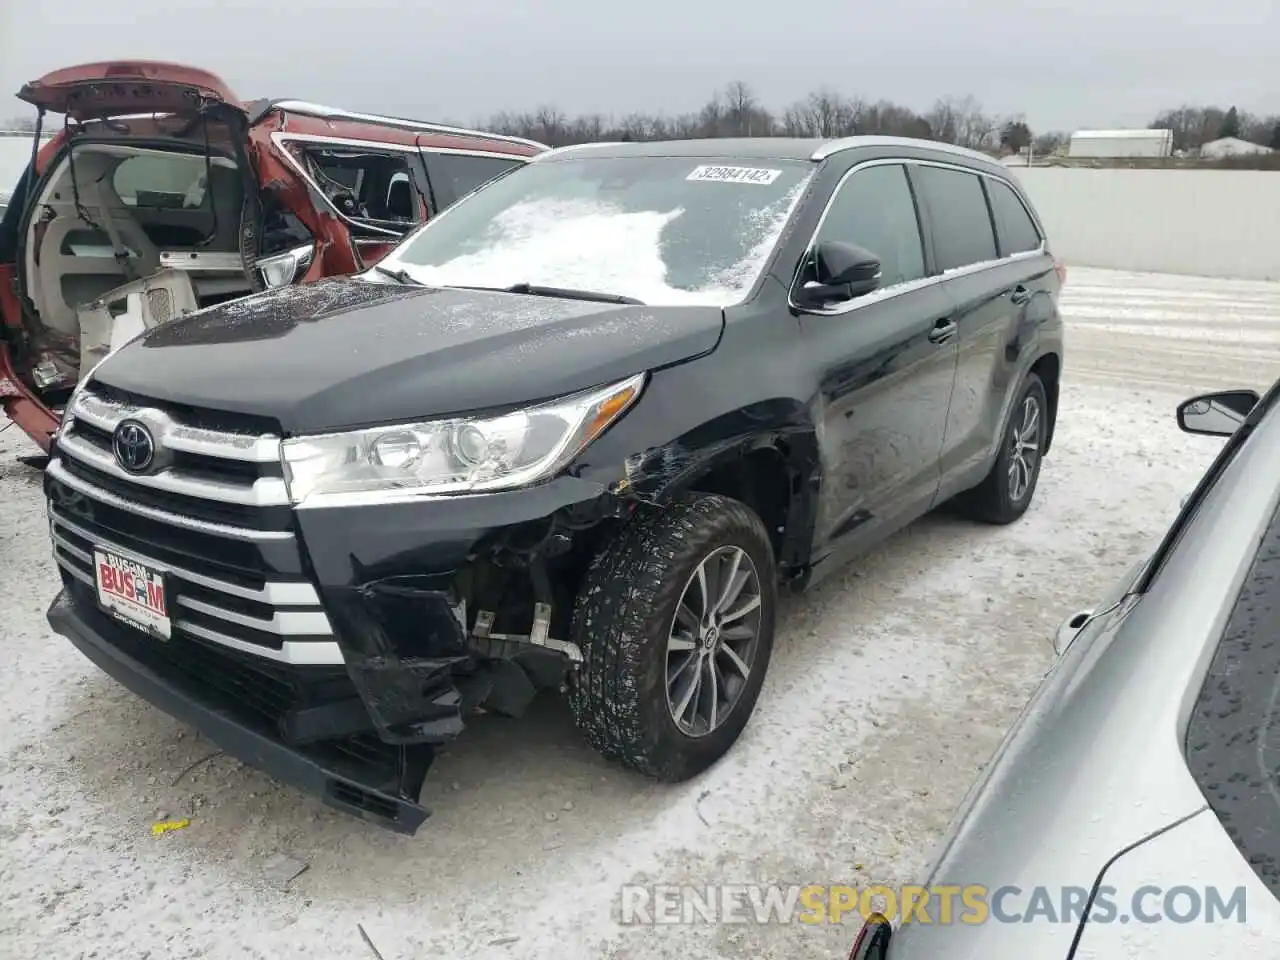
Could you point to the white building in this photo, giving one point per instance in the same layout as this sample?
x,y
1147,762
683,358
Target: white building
x,y
1231,147
1121,143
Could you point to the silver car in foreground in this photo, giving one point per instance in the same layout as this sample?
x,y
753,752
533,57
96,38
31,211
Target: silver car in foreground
x,y
1145,772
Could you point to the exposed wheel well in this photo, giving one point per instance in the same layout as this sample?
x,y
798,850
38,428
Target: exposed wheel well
x,y
761,481
1049,368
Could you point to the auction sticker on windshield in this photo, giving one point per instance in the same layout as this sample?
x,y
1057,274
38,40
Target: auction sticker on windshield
x,y
760,175
132,591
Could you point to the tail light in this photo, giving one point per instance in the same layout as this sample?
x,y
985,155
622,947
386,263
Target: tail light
x,y
1060,269
872,942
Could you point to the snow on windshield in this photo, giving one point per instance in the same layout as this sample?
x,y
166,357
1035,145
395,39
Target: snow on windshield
x,y
590,244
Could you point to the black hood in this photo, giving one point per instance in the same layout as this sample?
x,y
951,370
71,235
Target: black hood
x,y
345,353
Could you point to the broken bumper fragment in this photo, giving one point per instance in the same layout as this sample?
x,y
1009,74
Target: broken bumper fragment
x,y
379,785
437,609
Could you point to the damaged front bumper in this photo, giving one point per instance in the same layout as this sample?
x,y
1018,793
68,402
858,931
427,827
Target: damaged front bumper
x,y
439,609
381,786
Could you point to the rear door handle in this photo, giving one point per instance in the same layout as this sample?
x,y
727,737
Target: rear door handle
x,y
1020,295
942,331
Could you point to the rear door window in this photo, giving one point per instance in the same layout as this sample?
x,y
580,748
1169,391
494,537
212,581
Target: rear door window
x,y
366,185
958,214
875,210
454,175
1015,229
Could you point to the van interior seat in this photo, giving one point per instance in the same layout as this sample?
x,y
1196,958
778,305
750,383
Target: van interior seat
x,y
75,261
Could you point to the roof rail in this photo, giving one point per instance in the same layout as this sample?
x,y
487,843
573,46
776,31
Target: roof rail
x,y
334,113
832,147
572,147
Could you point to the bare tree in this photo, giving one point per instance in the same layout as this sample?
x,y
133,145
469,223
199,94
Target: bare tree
x,y
736,110
742,113
974,128
1192,126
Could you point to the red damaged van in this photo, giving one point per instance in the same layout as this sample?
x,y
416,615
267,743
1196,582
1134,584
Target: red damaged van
x,y
163,193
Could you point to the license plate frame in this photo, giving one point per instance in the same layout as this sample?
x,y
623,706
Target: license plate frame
x,y
135,593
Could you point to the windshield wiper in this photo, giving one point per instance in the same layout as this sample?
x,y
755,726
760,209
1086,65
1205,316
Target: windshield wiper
x,y
570,294
534,290
400,276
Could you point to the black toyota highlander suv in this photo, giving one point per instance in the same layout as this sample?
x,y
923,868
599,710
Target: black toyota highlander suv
x,y
573,434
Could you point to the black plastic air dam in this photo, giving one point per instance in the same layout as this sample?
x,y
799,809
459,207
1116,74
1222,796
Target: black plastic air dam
x,y
368,802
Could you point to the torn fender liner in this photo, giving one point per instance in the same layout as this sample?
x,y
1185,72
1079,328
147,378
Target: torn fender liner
x,y
405,651
385,797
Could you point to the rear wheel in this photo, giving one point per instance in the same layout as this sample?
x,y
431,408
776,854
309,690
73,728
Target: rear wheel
x,y
1005,493
675,619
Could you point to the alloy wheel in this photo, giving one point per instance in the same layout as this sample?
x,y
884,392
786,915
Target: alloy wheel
x,y
711,647
1025,437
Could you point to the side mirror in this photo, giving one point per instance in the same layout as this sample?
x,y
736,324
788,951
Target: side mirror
x,y
1216,414
841,271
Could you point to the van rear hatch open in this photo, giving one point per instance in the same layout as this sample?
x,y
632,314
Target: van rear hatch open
x,y
119,87
140,209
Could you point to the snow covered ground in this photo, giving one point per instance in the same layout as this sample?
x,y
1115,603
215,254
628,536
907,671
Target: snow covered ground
x,y
889,688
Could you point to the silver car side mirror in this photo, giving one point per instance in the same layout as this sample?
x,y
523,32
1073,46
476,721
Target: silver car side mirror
x,y
1216,414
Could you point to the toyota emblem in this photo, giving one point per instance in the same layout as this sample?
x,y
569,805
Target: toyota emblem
x,y
133,445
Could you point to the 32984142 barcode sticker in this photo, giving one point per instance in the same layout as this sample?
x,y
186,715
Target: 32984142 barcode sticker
x,y
718,174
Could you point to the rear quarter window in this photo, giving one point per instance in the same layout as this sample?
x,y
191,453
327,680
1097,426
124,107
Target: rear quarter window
x,y
1015,229
454,175
1233,740
962,232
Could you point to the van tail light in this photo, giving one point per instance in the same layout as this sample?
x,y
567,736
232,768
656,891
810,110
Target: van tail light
x,y
872,942
1060,269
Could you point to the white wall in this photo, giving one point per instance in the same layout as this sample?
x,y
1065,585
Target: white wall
x,y
15,154
1215,223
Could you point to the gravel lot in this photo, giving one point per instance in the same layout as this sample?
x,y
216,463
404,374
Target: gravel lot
x,y
890,686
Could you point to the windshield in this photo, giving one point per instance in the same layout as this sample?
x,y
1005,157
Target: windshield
x,y
664,230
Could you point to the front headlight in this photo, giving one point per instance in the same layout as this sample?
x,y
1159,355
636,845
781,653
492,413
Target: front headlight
x,y
463,455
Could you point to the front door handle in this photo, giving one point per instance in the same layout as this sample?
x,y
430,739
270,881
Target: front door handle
x,y
942,331
1020,295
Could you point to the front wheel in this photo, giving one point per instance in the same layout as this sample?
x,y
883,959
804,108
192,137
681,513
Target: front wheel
x,y
675,619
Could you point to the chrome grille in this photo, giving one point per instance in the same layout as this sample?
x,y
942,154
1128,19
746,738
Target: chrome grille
x,y
214,518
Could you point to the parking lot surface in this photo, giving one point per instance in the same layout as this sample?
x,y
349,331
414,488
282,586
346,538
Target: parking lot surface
x,y
890,686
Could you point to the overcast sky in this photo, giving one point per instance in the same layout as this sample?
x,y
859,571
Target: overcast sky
x,y
1066,63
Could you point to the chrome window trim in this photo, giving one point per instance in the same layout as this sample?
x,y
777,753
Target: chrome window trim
x,y
56,470
334,113
1031,215
909,286
402,147
276,594
515,158
280,139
